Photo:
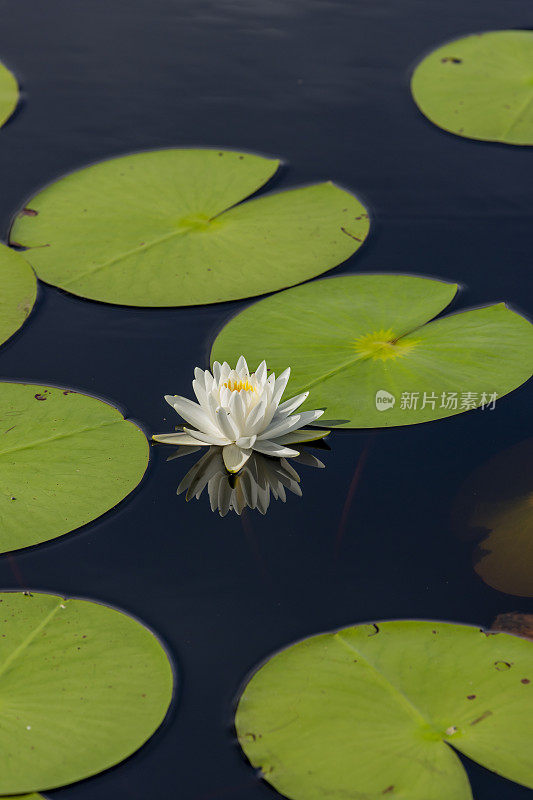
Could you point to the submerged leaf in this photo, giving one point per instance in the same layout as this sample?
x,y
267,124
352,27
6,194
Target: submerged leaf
x,y
18,290
376,709
83,686
480,86
494,509
515,623
168,228
65,459
362,345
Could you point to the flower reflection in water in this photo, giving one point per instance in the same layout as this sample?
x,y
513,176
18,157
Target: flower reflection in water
x,y
261,478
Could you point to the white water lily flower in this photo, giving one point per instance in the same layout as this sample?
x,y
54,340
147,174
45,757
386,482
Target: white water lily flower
x,y
241,412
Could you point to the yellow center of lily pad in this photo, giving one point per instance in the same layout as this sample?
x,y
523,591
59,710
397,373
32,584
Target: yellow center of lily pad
x,y
382,345
195,222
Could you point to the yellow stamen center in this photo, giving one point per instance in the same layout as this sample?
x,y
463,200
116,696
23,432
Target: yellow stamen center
x,y
239,386
383,345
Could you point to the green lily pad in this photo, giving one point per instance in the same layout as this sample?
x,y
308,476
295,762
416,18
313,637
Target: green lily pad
x,y
9,94
65,459
374,711
361,346
32,796
167,228
18,290
83,686
480,86
494,508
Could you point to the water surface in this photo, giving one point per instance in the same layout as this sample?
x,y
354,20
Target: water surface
x,y
324,85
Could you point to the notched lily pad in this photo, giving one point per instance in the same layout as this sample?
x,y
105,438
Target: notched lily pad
x,y
168,228
65,459
18,291
366,348
377,710
83,686
480,86
9,94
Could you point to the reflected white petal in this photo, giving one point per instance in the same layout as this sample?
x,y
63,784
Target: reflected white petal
x,y
302,435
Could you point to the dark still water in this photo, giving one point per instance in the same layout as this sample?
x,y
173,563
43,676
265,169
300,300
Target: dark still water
x,y
324,85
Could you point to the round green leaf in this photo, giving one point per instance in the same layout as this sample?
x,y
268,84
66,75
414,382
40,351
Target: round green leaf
x,y
23,797
65,459
360,345
495,510
83,686
480,87
167,228
18,290
9,93
375,710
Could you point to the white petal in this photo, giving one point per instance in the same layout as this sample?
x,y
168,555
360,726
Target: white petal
x,y
288,424
225,370
237,410
209,381
242,367
212,405
193,414
199,376
226,425
246,441
255,419
280,384
273,449
291,405
175,438
235,457
216,371
225,397
279,388
261,373
199,390
207,438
